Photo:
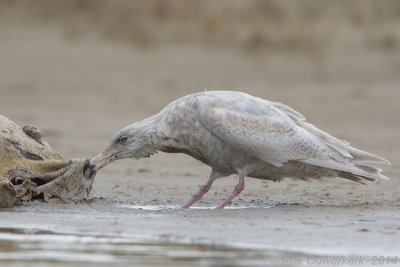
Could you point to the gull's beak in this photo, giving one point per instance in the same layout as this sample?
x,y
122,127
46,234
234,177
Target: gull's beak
x,y
102,159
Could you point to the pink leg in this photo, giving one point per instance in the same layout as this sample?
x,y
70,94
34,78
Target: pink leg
x,y
238,188
203,189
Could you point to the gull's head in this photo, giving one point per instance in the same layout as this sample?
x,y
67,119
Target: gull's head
x,y
130,142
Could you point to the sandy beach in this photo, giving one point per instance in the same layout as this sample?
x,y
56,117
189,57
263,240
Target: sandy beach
x,y
81,91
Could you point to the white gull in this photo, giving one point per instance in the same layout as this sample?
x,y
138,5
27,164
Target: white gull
x,y
236,133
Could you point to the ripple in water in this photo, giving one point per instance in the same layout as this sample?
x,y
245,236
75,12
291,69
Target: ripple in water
x,y
23,247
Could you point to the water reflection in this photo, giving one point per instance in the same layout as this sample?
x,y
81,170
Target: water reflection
x,y
175,207
19,247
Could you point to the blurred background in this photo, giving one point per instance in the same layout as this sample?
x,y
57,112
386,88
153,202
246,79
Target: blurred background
x,y
82,69
86,61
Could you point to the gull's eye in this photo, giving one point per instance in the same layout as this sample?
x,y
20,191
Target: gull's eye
x,y
122,140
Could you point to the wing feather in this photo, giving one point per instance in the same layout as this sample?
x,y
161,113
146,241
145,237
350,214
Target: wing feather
x,y
276,133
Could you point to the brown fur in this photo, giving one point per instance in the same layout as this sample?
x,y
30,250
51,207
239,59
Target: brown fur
x,y
25,155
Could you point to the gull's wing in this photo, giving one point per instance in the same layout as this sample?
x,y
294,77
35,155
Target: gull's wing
x,y
276,133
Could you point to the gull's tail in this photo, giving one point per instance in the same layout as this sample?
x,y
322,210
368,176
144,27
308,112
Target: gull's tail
x,y
356,168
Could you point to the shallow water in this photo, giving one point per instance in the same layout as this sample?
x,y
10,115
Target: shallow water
x,y
104,233
33,247
175,207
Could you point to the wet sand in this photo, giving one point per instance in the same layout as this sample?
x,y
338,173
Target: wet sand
x,y
80,92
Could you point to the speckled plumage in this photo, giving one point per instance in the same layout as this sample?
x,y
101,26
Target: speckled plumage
x,y
236,133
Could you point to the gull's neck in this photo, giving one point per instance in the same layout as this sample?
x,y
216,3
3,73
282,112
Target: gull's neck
x,y
160,134
149,124
156,128
149,127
